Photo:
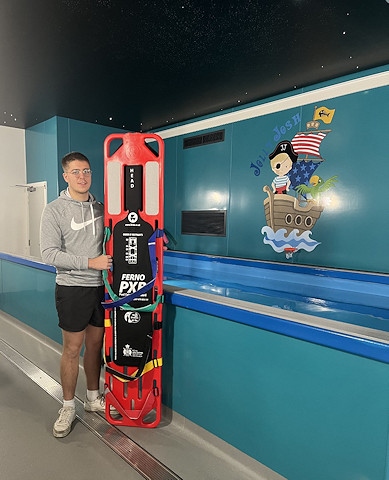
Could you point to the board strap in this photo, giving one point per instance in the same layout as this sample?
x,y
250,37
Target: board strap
x,y
124,301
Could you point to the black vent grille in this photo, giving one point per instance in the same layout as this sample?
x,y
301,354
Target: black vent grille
x,y
206,139
204,222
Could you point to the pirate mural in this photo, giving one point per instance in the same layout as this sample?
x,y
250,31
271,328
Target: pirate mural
x,y
294,200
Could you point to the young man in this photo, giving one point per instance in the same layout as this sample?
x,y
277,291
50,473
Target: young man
x,y
72,229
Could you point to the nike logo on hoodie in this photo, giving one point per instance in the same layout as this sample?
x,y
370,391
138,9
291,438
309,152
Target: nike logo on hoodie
x,y
78,226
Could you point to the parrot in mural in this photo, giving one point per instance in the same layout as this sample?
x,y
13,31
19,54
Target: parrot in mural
x,y
318,186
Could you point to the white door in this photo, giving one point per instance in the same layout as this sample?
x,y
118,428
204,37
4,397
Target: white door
x,y
37,200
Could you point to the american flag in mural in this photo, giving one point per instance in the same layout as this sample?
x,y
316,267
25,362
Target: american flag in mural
x,y
301,172
307,144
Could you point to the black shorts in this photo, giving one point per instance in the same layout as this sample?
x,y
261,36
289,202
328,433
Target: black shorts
x,y
79,307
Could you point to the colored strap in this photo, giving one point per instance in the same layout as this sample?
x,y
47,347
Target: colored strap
x,y
157,362
122,301
123,377
147,308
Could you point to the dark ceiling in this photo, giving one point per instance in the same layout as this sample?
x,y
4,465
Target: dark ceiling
x,y
144,64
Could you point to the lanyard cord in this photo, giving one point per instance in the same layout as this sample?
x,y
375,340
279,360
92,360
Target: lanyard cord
x,y
124,301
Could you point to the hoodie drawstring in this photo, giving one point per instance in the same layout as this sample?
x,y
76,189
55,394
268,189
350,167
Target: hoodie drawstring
x,y
82,215
93,220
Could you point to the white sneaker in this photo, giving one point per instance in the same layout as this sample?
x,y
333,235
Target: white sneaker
x,y
63,424
97,405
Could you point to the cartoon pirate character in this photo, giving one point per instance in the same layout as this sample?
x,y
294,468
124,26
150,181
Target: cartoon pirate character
x,y
281,161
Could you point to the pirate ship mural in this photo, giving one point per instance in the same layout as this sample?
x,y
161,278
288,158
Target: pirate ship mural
x,y
294,201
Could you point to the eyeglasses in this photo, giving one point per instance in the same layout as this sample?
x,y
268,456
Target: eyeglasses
x,y
77,172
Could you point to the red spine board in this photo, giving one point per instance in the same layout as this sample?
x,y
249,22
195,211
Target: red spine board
x,y
133,209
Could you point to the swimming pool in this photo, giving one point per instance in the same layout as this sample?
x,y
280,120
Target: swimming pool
x,y
340,309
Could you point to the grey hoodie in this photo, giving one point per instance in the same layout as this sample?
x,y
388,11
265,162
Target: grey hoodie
x,y
71,233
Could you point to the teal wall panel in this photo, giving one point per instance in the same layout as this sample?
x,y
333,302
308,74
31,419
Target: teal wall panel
x,y
171,205
28,295
351,232
354,235
306,411
41,156
202,182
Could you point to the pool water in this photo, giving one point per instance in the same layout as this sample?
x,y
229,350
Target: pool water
x,y
352,313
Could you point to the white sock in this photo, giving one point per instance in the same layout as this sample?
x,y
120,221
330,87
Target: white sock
x,y
69,403
92,395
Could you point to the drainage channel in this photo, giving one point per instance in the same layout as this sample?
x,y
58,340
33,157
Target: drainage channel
x,y
136,456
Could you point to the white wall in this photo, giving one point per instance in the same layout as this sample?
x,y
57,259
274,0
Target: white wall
x,y
13,204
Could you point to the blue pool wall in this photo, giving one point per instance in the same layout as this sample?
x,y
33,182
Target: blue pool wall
x,y
306,409
330,285
327,307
